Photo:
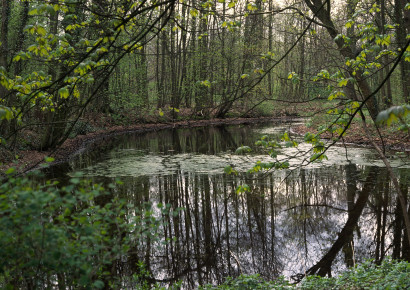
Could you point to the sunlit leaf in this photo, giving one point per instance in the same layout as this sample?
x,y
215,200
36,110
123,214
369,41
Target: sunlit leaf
x,y
393,114
243,188
49,159
342,83
64,93
244,76
193,12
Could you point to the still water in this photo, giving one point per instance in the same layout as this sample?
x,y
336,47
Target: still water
x,y
343,210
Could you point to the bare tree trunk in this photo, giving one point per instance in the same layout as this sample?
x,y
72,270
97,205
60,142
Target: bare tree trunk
x,y
401,30
386,93
301,88
201,97
4,30
270,45
21,35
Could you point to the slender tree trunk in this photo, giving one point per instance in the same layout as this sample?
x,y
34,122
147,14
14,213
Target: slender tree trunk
x,y
402,18
386,93
270,45
301,88
4,31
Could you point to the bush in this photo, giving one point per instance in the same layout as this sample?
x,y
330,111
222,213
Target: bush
x,y
68,235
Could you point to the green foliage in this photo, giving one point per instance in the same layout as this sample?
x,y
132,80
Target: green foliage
x,y
230,170
394,114
72,234
250,282
5,113
243,188
389,275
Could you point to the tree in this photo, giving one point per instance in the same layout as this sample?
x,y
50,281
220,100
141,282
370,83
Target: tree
x,y
76,48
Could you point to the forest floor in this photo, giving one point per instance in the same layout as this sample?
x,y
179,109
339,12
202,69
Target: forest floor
x,y
104,126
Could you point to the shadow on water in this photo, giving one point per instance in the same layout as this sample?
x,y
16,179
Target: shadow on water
x,y
318,220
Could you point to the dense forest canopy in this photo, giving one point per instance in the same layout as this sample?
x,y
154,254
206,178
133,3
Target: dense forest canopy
x,y
61,59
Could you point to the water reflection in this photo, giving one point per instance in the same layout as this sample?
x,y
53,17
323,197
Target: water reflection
x,y
317,220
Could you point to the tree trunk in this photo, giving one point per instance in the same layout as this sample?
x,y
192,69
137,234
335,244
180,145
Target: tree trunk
x,y
402,29
323,13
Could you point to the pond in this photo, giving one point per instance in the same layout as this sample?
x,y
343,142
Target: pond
x,y
339,212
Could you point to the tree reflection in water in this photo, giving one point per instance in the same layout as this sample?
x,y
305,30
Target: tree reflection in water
x,y
317,221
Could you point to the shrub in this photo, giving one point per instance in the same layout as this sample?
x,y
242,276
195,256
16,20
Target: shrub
x,y
68,235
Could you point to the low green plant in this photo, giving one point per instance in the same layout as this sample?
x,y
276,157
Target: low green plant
x,y
389,274
250,282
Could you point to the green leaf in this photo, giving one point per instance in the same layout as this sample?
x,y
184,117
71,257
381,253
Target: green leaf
x,y
9,171
342,83
193,12
251,7
49,159
205,83
244,76
174,109
349,23
335,94
393,114
230,170
5,113
243,188
318,157
41,30
64,93
33,12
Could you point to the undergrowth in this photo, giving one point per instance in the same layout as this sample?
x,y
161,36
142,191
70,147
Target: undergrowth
x,y
390,274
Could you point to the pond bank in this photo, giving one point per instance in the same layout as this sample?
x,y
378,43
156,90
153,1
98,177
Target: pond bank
x,y
31,159
392,140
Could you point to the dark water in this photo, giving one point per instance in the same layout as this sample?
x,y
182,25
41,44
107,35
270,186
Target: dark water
x,y
344,210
